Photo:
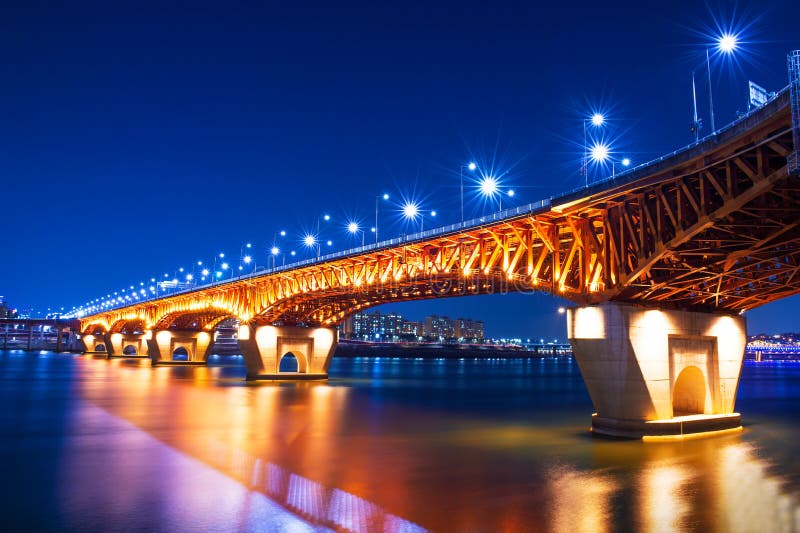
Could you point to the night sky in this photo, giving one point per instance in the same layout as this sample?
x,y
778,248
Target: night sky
x,y
138,138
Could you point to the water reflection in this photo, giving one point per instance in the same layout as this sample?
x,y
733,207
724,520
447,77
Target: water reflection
x,y
441,445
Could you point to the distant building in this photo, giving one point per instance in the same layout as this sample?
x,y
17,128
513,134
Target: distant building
x,y
375,326
6,311
439,328
467,330
391,326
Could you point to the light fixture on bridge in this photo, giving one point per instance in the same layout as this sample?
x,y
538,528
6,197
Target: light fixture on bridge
x,y
309,240
727,43
274,250
352,227
472,166
410,210
489,186
511,193
247,259
204,272
283,233
626,162
599,152
598,119
224,266
326,218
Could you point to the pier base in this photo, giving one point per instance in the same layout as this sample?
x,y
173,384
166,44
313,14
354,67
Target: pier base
x,y
655,373
264,347
179,348
126,345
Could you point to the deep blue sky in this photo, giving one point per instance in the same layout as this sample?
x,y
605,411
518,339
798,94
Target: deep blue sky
x,y
137,138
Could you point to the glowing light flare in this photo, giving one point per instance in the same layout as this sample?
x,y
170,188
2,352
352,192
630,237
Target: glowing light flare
x,y
247,259
309,240
599,152
626,162
489,186
472,166
274,250
410,210
598,119
352,227
727,43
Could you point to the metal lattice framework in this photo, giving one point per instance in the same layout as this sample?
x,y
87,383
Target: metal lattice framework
x,y
794,91
715,227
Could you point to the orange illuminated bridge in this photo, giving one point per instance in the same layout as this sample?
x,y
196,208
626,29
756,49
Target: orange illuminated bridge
x,y
660,261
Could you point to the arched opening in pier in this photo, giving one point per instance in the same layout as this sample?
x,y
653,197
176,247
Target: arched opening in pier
x,y
129,350
689,393
99,347
289,363
180,354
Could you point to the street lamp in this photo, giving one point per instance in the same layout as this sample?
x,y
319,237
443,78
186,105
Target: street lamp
x,y
471,167
597,120
382,196
422,219
273,254
490,187
726,43
311,241
354,229
217,274
601,153
241,253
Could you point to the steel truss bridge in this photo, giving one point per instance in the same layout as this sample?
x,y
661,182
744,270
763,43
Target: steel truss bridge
x,y
660,261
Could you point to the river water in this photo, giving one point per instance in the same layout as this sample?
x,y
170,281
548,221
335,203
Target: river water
x,y
385,445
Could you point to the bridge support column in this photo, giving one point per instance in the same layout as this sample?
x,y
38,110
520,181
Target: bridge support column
x,y
176,347
127,344
658,374
94,344
263,348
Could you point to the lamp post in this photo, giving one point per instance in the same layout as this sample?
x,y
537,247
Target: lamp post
x,y
311,242
600,153
471,167
410,211
726,43
422,219
273,254
354,229
597,120
215,273
490,187
377,198
242,255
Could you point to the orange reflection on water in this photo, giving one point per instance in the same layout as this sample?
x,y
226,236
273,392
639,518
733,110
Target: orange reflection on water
x,y
664,497
580,500
344,458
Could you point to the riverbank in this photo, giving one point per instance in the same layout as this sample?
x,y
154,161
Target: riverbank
x,y
446,351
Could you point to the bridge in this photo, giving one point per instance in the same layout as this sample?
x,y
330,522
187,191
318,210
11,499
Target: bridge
x,y
660,261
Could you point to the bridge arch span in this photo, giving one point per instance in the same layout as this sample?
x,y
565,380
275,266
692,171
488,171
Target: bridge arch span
x,y
197,320
96,328
129,326
332,306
